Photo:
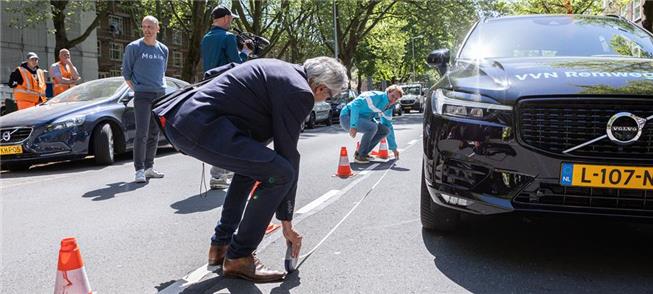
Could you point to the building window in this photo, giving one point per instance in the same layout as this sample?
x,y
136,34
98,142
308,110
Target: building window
x,y
115,73
102,74
115,25
177,59
99,47
116,51
637,10
177,37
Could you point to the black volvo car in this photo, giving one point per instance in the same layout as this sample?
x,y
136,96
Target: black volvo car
x,y
541,114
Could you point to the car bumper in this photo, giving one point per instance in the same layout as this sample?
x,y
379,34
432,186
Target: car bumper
x,y
482,169
50,146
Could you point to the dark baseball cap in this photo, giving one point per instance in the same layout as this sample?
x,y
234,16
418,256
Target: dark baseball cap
x,y
221,11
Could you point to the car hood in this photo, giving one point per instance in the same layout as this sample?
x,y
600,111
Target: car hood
x,y
506,80
46,113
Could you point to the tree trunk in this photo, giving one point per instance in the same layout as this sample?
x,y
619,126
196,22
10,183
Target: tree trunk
x,y
59,22
647,22
193,58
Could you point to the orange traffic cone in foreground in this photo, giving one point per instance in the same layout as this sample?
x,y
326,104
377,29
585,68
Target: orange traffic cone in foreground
x,y
383,149
344,170
71,275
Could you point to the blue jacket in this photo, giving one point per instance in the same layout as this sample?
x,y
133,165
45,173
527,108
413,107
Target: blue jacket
x,y
220,47
374,106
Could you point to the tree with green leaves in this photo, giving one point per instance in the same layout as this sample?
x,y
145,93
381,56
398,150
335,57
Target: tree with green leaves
x,y
31,12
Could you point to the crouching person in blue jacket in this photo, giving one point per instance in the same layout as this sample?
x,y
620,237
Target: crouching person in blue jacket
x,y
371,114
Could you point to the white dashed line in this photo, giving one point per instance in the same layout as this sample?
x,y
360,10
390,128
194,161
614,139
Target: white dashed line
x,y
315,203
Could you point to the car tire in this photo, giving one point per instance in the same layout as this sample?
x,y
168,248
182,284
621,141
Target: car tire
x,y
311,121
435,217
16,166
103,145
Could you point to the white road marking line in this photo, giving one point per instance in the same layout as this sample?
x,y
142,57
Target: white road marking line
x,y
413,142
324,201
191,278
315,203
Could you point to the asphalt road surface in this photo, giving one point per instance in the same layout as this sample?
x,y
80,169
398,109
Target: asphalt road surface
x,y
146,238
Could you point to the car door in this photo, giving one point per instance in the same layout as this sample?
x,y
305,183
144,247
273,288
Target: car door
x,y
128,115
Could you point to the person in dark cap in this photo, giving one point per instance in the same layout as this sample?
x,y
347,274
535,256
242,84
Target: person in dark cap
x,y
28,81
220,47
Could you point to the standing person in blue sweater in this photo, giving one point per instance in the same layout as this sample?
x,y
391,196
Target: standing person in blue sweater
x,y
143,67
371,114
220,47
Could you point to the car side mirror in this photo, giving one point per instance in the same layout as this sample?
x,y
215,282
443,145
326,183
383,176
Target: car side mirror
x,y
125,99
439,59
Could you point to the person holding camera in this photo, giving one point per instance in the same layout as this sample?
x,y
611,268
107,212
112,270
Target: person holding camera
x,y
220,47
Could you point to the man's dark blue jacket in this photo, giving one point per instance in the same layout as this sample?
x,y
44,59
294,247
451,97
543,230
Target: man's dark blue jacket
x,y
265,98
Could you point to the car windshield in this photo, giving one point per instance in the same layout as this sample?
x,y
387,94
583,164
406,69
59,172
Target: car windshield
x,y
555,36
89,91
411,90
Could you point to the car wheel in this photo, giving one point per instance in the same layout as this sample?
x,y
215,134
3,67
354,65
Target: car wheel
x,y
311,121
16,166
103,144
433,216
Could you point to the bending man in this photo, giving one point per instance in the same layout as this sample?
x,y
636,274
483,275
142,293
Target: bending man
x,y
228,123
371,114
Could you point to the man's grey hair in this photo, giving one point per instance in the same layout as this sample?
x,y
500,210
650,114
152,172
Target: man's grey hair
x,y
326,71
152,19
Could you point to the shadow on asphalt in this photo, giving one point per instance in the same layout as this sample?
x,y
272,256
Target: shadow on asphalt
x,y
112,190
217,282
502,254
199,202
74,166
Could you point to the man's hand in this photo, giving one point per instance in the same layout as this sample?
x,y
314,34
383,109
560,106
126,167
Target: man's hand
x,y
396,152
352,132
292,236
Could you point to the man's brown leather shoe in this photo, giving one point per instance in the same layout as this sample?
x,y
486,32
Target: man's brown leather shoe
x,y
216,254
251,269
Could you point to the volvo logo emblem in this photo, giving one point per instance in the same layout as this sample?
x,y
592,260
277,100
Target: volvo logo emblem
x,y
625,128
6,136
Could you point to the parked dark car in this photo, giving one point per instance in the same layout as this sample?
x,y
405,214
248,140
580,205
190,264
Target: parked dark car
x,y
412,98
93,118
339,101
541,114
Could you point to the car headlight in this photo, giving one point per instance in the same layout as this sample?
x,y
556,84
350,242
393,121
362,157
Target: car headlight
x,y
451,103
66,122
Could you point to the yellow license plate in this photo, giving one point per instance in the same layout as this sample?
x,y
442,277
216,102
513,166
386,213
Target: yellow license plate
x,y
606,176
14,149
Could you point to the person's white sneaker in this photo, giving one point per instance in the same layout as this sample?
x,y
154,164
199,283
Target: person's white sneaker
x,y
152,173
220,183
140,176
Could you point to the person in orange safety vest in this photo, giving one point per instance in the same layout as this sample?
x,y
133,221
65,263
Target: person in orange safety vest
x,y
28,81
63,73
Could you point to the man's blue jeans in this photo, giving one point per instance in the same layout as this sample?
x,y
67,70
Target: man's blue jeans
x,y
372,132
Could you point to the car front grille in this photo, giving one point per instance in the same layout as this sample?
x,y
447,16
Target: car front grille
x,y
584,199
14,135
556,125
408,102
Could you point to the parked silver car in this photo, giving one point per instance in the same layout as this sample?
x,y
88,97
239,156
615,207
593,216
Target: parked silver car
x,y
319,114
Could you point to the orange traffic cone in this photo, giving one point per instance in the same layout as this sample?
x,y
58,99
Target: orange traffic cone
x,y
344,170
71,275
383,149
